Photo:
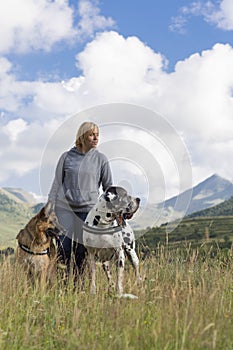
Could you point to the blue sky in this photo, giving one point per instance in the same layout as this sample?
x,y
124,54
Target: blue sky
x,y
151,21
59,58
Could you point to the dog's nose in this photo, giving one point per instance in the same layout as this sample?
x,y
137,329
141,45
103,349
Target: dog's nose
x,y
138,200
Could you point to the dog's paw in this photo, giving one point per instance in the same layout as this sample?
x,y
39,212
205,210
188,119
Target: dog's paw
x,y
139,280
93,290
127,296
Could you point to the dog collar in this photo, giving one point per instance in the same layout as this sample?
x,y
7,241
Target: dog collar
x,y
26,249
98,230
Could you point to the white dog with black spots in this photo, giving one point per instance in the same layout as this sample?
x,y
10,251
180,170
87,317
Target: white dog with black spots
x,y
107,235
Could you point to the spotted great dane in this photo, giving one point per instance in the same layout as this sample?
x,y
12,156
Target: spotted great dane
x,y
107,235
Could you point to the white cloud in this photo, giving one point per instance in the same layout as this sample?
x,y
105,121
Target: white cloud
x,y
203,103
220,14
119,69
14,128
39,24
25,143
34,24
13,92
90,18
196,98
34,99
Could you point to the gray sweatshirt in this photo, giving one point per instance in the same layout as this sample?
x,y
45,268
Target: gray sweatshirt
x,y
78,178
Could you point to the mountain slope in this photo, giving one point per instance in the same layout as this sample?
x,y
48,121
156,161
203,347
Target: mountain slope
x,y
16,207
12,208
222,209
212,225
210,192
19,195
14,214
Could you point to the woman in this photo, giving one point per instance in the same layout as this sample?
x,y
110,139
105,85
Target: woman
x,y
80,173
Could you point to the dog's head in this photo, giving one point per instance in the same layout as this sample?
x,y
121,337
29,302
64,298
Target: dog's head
x,y
42,228
121,203
48,222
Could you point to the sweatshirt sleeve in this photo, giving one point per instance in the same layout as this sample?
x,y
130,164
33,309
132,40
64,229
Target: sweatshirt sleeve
x,y
106,174
58,179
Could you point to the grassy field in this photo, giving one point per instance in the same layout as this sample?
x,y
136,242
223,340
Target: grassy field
x,y
184,303
8,234
214,230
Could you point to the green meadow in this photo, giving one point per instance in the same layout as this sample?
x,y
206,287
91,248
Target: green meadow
x,y
185,302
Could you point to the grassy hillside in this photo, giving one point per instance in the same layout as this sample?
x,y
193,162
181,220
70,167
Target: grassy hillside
x,y
182,304
218,230
213,224
8,205
13,216
210,225
8,234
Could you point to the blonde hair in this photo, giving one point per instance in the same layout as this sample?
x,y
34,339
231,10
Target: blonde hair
x,y
81,133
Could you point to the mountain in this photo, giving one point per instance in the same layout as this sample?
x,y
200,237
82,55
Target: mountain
x,y
223,209
17,206
210,192
11,206
19,195
15,211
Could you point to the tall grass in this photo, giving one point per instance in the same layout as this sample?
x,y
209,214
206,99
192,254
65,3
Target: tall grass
x,y
185,302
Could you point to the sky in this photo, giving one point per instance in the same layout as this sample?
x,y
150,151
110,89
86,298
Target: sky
x,y
156,75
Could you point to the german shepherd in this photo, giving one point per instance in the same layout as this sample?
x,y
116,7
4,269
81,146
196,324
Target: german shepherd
x,y
36,250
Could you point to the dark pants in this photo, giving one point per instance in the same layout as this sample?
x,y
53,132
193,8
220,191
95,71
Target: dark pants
x,y
72,241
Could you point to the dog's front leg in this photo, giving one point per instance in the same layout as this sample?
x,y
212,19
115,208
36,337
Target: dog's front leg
x,y
92,272
43,280
134,261
106,267
120,271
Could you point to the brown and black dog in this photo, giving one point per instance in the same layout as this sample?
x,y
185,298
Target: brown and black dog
x,y
36,250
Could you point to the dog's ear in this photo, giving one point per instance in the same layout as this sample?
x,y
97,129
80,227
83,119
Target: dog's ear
x,y
47,209
19,234
43,214
128,216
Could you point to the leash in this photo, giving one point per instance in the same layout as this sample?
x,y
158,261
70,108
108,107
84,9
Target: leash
x,y
27,250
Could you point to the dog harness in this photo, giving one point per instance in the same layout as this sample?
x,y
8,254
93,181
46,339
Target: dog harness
x,y
27,250
101,230
99,237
